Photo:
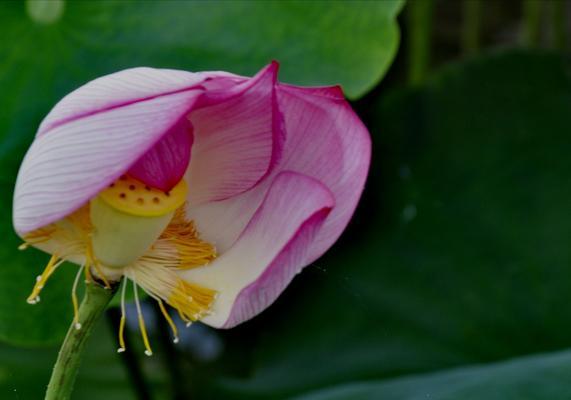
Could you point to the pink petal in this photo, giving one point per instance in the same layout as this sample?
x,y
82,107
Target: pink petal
x,y
238,138
116,90
269,252
325,140
99,131
164,165
339,152
76,159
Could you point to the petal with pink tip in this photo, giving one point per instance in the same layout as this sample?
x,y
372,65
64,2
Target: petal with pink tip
x,y
74,161
238,138
340,152
270,251
325,140
164,165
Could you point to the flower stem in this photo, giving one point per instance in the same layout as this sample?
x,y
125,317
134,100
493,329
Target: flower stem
x,y
472,11
532,10
69,358
420,29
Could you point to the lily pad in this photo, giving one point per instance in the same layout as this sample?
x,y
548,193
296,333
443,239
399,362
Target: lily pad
x,y
540,377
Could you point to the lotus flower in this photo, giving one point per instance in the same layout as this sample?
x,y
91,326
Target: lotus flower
x,y
208,190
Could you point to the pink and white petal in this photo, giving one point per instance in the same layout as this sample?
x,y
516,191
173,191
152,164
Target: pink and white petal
x,y
119,89
327,141
65,168
237,138
164,165
221,222
269,252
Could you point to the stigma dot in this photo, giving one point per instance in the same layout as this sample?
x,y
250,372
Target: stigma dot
x,y
148,353
38,278
77,326
120,350
188,324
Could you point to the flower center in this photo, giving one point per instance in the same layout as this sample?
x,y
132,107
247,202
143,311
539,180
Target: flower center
x,y
128,217
137,233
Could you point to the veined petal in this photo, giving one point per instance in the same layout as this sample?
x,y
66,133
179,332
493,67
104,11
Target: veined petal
x,y
238,138
100,130
325,140
321,120
270,251
75,160
119,89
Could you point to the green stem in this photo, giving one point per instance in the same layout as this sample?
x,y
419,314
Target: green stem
x,y
558,28
419,15
532,22
471,27
69,358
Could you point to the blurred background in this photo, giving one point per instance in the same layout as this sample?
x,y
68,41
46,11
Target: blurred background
x,y
453,281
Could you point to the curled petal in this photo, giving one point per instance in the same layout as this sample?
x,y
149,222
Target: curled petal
x,y
238,138
99,131
321,120
325,140
270,251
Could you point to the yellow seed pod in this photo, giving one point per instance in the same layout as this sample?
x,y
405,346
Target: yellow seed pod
x,y
134,197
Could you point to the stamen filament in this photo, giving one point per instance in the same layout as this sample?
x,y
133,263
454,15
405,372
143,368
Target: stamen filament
x,y
74,301
88,277
41,280
169,320
148,351
122,347
91,261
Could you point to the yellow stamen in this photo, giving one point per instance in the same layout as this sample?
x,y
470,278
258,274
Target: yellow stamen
x,y
40,235
74,301
148,350
122,347
191,300
169,320
88,277
34,297
91,261
179,246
